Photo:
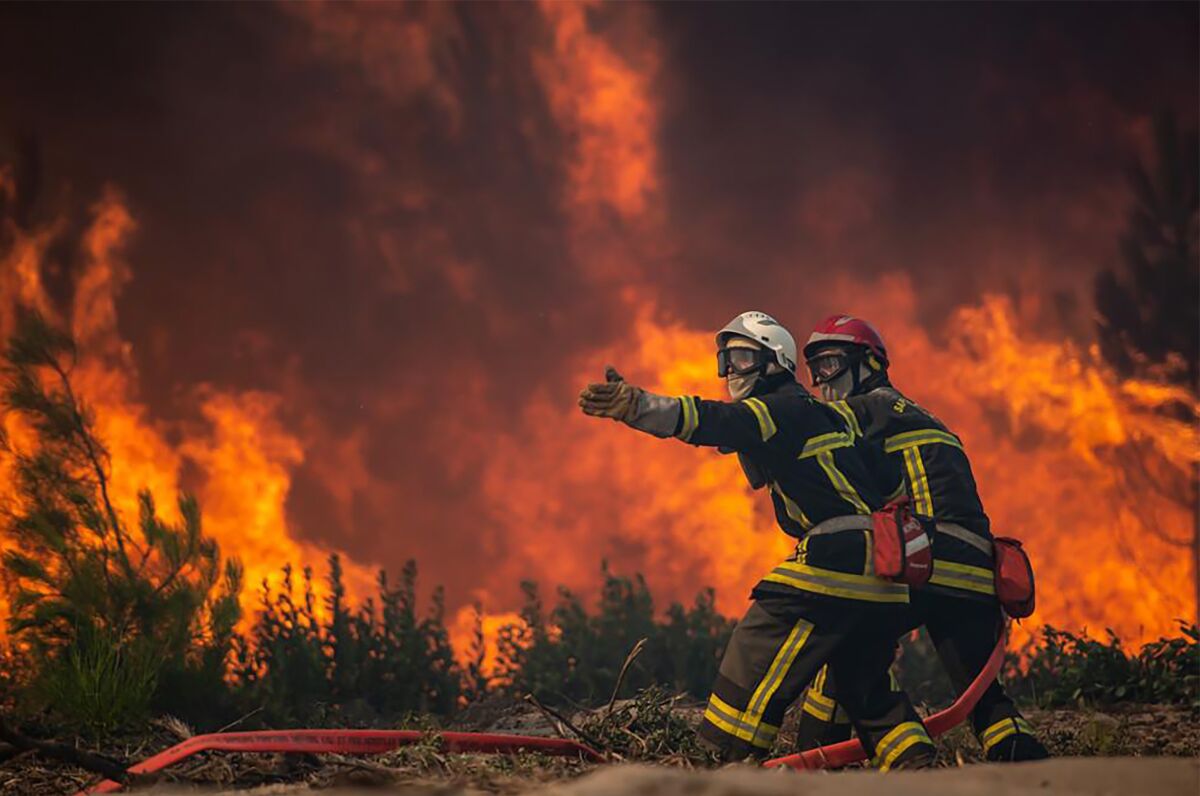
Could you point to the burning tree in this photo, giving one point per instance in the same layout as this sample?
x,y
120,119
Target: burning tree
x,y
103,607
1148,316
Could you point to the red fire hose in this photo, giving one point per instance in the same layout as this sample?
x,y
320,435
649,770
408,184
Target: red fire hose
x,y
352,742
843,754
376,741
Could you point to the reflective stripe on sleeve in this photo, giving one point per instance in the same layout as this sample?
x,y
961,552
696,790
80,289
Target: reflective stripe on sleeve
x,y
691,417
766,425
823,443
915,439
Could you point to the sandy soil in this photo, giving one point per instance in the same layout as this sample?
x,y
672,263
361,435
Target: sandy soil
x,y
1124,776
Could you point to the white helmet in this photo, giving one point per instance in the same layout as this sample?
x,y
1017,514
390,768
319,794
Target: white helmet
x,y
765,330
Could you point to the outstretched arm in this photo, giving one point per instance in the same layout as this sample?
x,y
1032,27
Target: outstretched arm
x,y
744,426
637,408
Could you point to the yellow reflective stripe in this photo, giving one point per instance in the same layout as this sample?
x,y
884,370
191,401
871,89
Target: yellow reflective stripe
x,y
837,584
721,715
792,507
843,409
894,744
729,720
915,439
918,482
819,681
826,442
776,672
963,576
1001,730
841,483
821,699
691,417
817,711
902,747
764,737
766,425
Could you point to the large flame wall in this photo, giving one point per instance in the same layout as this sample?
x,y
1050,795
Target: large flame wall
x,y
344,281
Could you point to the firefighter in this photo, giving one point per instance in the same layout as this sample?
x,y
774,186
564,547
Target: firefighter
x,y
849,365
823,604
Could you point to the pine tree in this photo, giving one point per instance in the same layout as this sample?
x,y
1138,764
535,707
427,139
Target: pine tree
x,y
93,596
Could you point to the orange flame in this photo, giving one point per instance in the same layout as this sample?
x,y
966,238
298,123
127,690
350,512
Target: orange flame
x,y
1047,426
245,457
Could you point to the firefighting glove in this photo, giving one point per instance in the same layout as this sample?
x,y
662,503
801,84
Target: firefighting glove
x,y
637,408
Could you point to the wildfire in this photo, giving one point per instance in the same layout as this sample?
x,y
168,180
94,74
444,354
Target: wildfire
x,y
1076,462
243,455
1048,429
1046,426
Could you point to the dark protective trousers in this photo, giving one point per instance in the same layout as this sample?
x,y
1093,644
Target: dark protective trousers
x,y
777,649
964,632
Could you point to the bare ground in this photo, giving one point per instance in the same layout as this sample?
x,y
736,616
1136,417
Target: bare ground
x,y
1117,736
1122,776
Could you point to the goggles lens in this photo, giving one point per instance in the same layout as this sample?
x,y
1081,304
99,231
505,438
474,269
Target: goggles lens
x,y
828,366
739,360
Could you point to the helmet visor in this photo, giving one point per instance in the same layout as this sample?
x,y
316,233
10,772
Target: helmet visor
x,y
828,365
740,360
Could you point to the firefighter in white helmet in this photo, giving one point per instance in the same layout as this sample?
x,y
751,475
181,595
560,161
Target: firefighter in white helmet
x,y
823,604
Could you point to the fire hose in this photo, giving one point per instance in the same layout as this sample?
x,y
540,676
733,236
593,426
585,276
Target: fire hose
x,y
362,742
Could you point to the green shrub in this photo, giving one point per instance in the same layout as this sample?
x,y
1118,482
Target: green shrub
x,y
96,599
1069,669
571,655
99,684
350,665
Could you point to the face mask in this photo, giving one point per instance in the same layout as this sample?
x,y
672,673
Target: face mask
x,y
838,388
740,386
841,386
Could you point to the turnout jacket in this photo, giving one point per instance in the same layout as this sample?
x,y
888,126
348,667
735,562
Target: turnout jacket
x,y
815,471
911,446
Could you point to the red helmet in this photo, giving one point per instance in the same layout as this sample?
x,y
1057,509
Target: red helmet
x,y
842,328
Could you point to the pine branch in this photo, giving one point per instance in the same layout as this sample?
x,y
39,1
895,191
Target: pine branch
x,y
93,456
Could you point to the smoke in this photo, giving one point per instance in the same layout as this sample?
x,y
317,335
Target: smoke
x,y
403,234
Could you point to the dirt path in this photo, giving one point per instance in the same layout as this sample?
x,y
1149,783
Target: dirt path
x,y
1123,776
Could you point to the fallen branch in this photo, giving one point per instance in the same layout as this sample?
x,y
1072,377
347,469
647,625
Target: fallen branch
x,y
97,764
556,716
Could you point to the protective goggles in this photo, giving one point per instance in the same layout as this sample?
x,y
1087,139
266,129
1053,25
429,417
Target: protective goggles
x,y
740,361
828,365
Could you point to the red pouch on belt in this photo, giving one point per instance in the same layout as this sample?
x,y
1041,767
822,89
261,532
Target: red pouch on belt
x,y
1014,577
902,551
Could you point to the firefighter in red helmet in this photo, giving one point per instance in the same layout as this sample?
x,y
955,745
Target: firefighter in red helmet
x,y
823,604
848,362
